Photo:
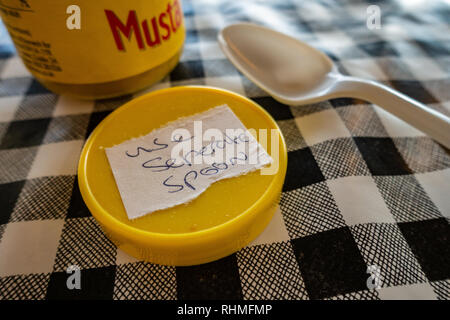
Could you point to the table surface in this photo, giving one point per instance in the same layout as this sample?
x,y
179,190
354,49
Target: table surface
x,y
364,190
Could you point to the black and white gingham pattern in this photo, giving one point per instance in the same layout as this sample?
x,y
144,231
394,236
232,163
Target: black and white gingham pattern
x,y
363,188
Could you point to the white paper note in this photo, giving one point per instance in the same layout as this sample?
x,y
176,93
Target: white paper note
x,y
176,163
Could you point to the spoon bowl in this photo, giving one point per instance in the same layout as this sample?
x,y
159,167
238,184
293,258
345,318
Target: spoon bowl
x,y
272,68
295,73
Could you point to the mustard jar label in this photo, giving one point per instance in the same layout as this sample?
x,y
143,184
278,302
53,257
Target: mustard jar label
x,y
113,40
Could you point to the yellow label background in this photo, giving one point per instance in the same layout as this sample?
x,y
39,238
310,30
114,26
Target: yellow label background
x,y
90,55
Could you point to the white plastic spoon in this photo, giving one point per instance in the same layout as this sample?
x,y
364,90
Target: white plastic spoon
x,y
295,73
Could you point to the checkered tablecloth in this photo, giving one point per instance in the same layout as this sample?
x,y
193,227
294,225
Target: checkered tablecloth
x,y
362,189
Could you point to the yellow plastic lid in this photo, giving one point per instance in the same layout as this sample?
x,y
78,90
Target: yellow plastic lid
x,y
222,220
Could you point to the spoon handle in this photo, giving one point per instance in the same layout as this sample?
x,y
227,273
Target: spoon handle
x,y
427,120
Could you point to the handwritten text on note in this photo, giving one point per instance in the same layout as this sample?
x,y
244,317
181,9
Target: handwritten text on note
x,y
176,163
